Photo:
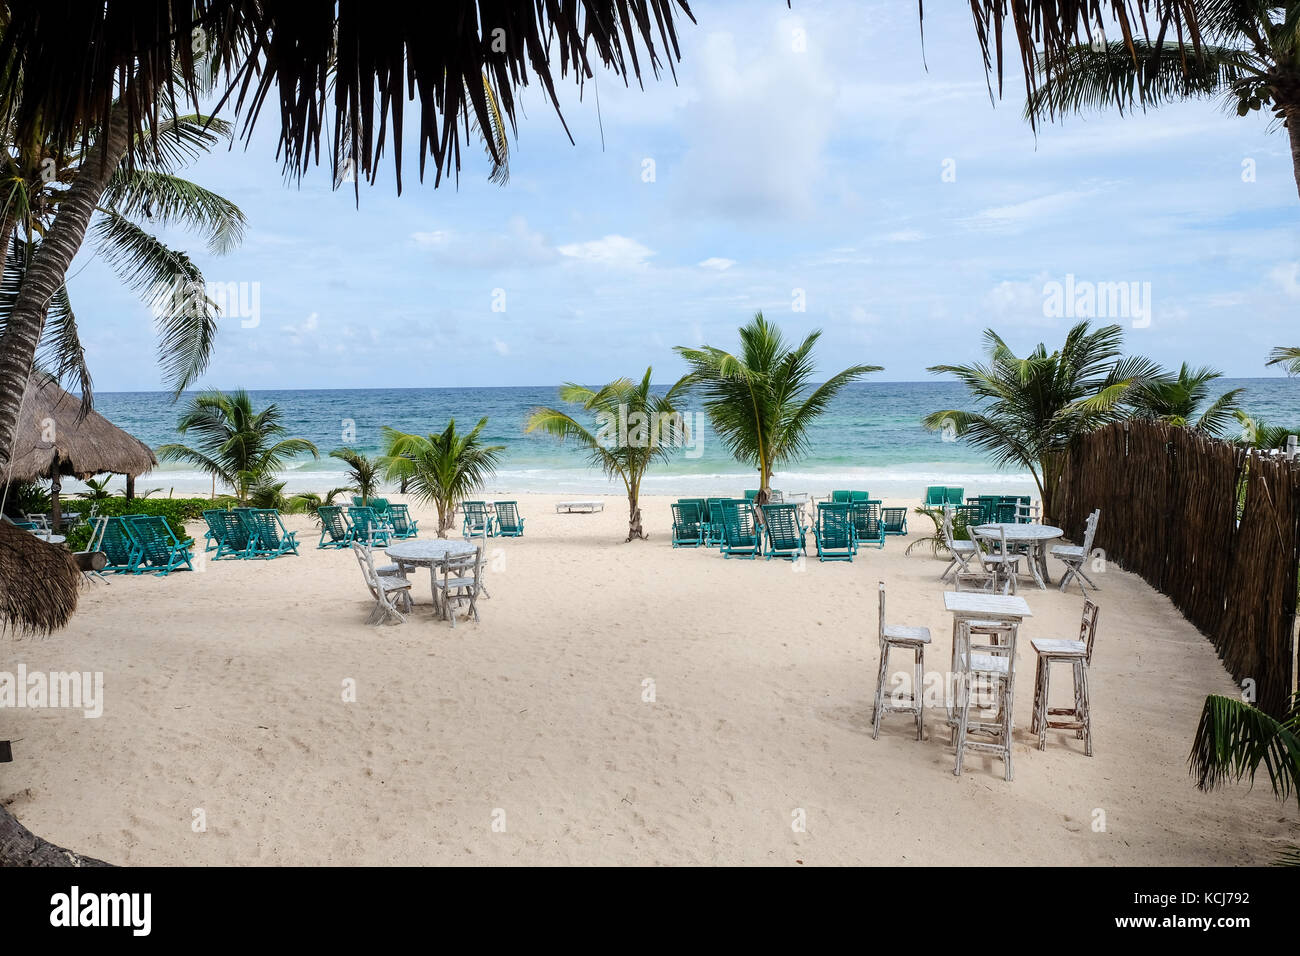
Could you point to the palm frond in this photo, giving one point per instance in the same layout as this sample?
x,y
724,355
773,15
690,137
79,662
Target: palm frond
x,y
1234,739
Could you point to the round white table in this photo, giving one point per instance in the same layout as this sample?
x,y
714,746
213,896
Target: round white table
x,y
50,538
1034,535
432,554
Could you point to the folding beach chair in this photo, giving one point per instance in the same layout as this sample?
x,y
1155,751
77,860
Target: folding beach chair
x,y
403,525
160,548
121,546
741,538
834,532
785,536
894,520
366,528
272,537
867,526
509,524
478,520
688,529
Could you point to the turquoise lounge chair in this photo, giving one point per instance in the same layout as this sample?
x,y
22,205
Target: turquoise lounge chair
x,y
366,528
271,537
955,495
404,526
751,494
230,533
478,520
867,526
334,527
740,537
785,535
841,497
211,537
688,528
161,549
936,496
383,511
509,524
121,546
894,520
858,496
834,532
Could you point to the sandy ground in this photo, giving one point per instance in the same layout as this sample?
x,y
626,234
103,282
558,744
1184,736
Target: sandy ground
x,y
527,738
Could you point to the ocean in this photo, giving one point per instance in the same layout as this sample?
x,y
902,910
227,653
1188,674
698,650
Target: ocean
x,y
869,439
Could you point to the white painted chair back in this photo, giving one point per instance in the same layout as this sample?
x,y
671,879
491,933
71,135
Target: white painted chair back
x,y
1090,532
1088,628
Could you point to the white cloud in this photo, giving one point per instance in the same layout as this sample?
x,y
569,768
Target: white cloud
x,y
616,251
1287,277
501,347
717,264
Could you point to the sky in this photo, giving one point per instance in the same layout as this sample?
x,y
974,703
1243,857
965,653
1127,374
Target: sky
x,y
808,163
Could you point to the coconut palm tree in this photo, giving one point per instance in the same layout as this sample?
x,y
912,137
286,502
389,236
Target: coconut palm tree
x,y
443,469
238,445
761,403
1257,433
364,473
1028,410
1286,356
634,428
1249,58
1176,399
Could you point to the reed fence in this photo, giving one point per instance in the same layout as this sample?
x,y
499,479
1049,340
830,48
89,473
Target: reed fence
x,y
1169,513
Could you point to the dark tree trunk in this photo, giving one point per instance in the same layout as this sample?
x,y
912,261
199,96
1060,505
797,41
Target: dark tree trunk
x,y
130,487
20,847
56,511
1292,113
48,269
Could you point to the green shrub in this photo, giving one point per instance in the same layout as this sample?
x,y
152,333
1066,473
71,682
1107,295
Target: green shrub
x,y
177,511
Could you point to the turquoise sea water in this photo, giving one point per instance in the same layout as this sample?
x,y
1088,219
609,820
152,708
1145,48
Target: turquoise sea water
x,y
869,439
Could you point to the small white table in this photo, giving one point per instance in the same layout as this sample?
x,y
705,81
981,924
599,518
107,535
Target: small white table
x,y
49,538
978,606
431,553
1036,536
585,507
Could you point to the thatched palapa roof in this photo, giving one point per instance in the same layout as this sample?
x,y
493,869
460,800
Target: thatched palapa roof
x,y
80,447
38,582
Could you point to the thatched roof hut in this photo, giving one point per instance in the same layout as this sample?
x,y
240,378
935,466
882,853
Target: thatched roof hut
x,y
54,439
38,582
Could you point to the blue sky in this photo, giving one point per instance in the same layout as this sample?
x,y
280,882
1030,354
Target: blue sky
x,y
800,150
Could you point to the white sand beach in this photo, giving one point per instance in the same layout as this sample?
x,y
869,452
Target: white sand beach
x,y
224,694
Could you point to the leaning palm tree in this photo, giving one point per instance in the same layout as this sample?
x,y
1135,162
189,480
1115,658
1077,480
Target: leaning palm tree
x,y
363,473
1286,356
1028,410
1249,58
237,445
443,469
761,403
1177,399
634,429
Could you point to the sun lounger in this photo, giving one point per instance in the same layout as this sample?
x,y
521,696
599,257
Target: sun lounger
x,y
785,535
740,537
509,524
403,525
161,549
582,507
333,527
834,532
688,526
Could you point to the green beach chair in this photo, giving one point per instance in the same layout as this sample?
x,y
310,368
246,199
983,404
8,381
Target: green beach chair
x,y
955,495
688,528
383,511
271,537
333,527
858,496
161,549
713,521
751,494
740,537
509,524
229,532
366,528
785,535
478,520
867,526
988,508
121,546
894,520
404,526
936,496
841,497
834,532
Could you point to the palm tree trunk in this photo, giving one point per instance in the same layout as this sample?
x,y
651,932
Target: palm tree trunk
x,y
634,529
20,847
48,269
1292,113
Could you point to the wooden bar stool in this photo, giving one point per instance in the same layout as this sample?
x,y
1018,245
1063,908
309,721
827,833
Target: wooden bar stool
x,y
906,638
1078,654
992,664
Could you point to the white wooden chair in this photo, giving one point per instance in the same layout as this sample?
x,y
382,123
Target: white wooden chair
x,y
906,638
1075,557
1078,654
991,571
961,551
461,580
988,666
1004,560
390,592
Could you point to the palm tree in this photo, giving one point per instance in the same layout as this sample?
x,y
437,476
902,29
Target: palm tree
x,y
1257,433
237,445
363,472
1177,398
761,402
634,428
1286,356
443,469
1029,410
1249,58
95,490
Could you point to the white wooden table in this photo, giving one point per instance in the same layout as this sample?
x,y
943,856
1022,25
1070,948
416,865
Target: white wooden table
x,y
1036,536
431,553
971,606
587,507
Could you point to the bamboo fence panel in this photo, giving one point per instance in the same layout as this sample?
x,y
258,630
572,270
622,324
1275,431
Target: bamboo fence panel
x,y
1168,500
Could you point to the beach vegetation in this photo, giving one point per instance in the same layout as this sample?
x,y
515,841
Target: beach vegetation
x,y
441,469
